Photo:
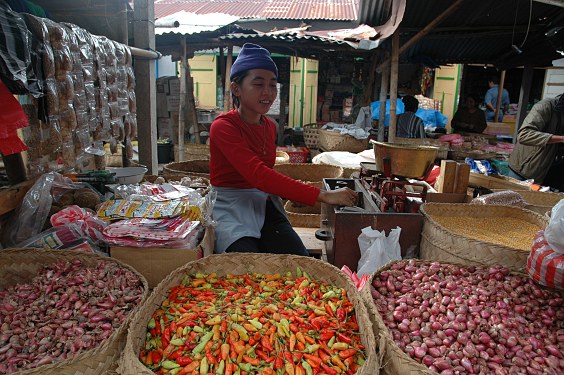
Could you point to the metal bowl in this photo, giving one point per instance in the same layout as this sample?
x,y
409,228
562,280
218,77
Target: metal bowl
x,y
128,175
406,160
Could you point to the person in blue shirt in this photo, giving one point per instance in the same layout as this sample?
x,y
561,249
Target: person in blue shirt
x,y
491,100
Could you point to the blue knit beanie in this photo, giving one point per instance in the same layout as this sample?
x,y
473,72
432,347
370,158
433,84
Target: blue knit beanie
x,y
250,57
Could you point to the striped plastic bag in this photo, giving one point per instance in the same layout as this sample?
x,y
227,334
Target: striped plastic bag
x,y
544,265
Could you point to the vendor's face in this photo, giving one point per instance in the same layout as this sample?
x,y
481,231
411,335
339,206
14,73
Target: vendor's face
x,y
257,91
470,103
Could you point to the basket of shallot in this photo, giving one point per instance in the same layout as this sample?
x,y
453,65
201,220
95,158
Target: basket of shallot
x,y
432,317
64,312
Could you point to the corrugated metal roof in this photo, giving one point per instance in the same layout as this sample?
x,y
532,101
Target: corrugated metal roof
x,y
192,23
351,37
334,10
482,32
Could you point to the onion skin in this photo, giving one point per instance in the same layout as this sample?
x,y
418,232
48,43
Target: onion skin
x,y
464,320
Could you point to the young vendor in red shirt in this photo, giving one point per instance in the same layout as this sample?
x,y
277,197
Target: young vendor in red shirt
x,y
248,209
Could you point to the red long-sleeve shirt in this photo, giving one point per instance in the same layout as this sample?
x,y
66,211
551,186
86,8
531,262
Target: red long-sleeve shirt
x,y
242,156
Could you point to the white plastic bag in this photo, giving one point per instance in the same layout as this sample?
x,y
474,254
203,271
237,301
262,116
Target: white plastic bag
x,y
377,250
554,232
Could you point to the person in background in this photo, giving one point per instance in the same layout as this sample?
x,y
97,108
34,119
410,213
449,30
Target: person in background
x,y
469,118
491,100
539,151
248,209
409,125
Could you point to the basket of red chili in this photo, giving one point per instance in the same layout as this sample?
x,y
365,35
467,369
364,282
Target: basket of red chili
x,y
252,314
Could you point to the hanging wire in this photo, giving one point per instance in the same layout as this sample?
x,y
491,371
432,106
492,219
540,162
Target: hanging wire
x,y
529,24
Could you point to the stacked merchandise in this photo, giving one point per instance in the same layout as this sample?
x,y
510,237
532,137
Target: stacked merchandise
x,y
165,215
88,98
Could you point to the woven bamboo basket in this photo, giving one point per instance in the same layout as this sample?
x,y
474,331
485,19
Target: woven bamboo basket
x,y
309,173
540,198
196,167
193,151
441,244
311,137
21,265
393,359
461,155
442,146
237,263
334,141
305,216
282,157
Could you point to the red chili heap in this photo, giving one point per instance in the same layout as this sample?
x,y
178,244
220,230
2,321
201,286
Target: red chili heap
x,y
253,324
471,320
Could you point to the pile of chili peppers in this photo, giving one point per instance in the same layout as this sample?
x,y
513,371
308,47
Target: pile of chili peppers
x,y
253,324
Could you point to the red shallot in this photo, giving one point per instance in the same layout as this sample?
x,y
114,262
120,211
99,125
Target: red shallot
x,y
471,320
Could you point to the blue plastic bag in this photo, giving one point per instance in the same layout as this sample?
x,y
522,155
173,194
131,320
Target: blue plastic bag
x,y
375,107
432,118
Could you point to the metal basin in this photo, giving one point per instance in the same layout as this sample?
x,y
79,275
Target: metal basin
x,y
406,160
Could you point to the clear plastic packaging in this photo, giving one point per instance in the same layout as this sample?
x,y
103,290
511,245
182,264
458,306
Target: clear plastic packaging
x,y
505,198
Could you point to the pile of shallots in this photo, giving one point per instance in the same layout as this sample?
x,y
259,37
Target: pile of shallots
x,y
66,309
466,320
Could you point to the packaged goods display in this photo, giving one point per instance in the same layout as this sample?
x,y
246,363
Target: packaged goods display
x,y
88,98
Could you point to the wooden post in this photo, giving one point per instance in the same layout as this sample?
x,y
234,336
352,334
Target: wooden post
x,y
499,94
191,113
394,69
384,87
227,92
145,88
523,98
284,93
222,68
182,102
123,37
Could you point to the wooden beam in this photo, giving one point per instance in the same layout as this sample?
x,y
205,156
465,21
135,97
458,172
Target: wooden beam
x,y
192,114
394,72
499,94
440,18
227,92
145,88
526,83
284,93
182,102
384,87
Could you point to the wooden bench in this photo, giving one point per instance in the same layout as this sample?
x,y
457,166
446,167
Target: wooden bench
x,y
315,247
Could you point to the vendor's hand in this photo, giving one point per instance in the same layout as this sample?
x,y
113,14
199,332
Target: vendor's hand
x,y
339,197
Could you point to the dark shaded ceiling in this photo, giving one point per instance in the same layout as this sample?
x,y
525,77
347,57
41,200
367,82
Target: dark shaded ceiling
x,y
99,17
480,32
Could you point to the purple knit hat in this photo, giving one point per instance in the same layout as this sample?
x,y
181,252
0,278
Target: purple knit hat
x,y
252,56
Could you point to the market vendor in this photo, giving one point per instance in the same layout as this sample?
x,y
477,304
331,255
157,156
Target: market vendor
x,y
408,124
539,151
469,118
491,100
248,210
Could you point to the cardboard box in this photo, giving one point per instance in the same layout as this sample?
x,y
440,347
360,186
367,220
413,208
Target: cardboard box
x,y
172,103
156,263
174,87
500,128
164,127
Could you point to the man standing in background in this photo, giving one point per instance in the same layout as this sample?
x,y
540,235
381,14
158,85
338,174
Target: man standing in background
x,y
491,100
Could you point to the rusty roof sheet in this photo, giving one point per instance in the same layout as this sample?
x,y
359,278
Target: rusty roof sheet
x,y
334,10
